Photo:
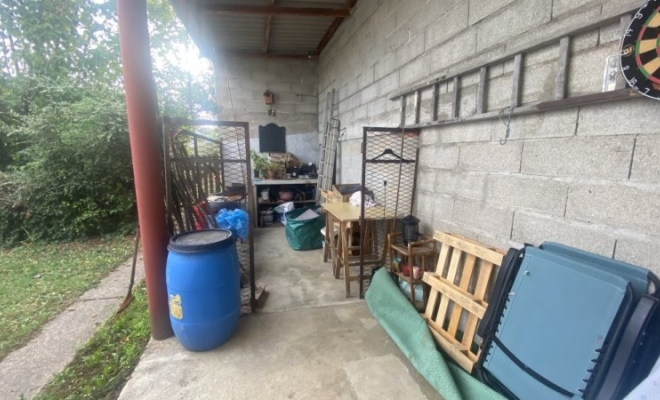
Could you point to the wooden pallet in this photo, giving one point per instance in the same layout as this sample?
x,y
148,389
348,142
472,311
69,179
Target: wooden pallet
x,y
457,299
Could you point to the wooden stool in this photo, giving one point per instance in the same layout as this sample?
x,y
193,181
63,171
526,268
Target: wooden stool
x,y
349,250
420,253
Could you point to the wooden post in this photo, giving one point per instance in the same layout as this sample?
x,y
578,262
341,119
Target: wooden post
x,y
145,150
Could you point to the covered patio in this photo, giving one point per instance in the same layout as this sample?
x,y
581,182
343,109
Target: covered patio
x,y
527,132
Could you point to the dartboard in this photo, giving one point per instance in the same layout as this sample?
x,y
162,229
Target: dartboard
x,y
640,51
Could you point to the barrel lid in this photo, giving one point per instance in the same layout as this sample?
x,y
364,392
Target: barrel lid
x,y
203,240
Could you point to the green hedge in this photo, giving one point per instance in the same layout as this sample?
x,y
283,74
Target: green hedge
x,y
74,177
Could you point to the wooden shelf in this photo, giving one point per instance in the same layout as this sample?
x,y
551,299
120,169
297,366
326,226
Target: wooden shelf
x,y
416,250
421,253
301,186
406,277
282,202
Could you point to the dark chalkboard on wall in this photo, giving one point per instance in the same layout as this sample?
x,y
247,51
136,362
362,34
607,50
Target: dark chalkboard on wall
x,y
272,139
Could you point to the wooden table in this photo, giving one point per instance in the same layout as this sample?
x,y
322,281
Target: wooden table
x,y
342,251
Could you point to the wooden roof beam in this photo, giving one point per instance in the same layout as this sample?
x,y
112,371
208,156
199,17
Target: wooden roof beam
x,y
254,54
349,4
231,9
269,23
328,34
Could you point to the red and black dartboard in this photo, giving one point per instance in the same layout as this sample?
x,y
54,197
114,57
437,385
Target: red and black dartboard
x,y
640,51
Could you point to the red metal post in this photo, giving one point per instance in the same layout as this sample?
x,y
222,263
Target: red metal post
x,y
145,152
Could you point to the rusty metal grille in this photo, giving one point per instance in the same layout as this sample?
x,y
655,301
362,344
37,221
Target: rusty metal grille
x,y
389,166
204,158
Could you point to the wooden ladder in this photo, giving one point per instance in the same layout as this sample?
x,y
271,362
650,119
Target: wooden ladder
x,y
560,99
328,149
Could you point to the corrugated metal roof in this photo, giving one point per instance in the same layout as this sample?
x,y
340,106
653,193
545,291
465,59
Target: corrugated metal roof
x,y
238,32
240,26
298,33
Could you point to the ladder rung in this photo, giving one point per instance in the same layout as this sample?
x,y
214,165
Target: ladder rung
x,y
481,90
515,80
456,96
562,67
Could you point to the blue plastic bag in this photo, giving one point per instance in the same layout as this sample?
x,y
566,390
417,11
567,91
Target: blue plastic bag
x,y
237,221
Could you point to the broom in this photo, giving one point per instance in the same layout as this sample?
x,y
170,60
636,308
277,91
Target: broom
x,y
129,296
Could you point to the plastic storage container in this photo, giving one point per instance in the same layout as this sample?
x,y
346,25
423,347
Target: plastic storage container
x,y
203,288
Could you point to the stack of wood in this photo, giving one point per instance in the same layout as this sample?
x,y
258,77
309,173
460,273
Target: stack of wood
x,y
288,159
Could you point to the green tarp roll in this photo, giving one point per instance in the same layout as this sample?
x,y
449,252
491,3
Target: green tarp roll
x,y
409,331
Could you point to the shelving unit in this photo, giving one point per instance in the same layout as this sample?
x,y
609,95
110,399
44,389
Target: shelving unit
x,y
304,187
420,253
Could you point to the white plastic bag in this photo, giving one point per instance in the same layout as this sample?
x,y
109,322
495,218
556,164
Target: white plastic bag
x,y
284,207
356,199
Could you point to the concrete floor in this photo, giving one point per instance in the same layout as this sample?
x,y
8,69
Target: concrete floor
x,y
308,341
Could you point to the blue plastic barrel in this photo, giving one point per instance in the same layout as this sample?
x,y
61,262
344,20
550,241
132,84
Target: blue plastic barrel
x,y
203,287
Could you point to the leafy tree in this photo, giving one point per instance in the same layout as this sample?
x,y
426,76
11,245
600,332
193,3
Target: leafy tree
x,y
182,91
48,50
65,168
78,181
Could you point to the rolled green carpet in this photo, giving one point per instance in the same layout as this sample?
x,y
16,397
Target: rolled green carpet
x,y
409,331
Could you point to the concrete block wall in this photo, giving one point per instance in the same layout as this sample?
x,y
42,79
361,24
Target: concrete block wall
x,y
586,176
240,84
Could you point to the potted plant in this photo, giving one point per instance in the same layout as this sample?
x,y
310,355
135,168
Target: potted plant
x,y
272,168
259,163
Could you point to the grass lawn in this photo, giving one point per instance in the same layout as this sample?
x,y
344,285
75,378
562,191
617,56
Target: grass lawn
x,y
101,367
38,281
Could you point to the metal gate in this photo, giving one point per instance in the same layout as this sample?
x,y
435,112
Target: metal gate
x,y
203,158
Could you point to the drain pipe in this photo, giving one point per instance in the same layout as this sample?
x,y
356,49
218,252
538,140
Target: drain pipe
x,y
142,129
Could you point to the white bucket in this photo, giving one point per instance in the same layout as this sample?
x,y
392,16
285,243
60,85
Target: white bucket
x,y
265,195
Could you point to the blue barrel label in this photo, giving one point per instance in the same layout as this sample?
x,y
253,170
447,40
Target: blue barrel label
x,y
176,311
